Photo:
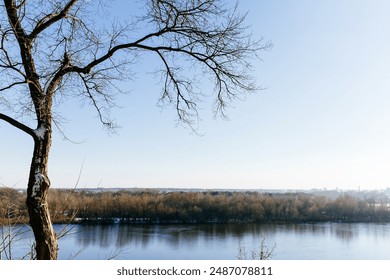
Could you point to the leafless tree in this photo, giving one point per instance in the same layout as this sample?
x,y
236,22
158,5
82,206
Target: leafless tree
x,y
12,230
55,49
264,252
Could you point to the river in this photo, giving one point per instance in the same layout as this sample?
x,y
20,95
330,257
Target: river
x,y
321,241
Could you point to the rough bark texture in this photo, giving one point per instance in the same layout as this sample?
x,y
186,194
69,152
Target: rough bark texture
x,y
38,185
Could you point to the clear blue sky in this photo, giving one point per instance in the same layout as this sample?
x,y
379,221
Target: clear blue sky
x,y
322,122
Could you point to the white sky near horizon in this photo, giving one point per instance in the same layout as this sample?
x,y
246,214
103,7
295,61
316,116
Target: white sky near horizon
x,y
323,120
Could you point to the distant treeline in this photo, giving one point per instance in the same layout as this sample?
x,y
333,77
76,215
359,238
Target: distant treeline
x,y
197,207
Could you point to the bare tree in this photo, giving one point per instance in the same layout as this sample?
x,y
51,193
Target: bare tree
x,y
264,252
51,49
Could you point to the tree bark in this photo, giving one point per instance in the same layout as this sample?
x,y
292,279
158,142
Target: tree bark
x,y
38,185
46,247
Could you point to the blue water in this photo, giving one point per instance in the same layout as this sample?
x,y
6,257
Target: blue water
x,y
323,241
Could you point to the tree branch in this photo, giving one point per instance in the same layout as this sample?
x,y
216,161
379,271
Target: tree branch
x,y
12,85
50,19
172,80
86,69
14,19
25,48
18,125
89,89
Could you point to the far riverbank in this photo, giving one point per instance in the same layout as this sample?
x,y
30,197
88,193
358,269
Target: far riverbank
x,y
199,207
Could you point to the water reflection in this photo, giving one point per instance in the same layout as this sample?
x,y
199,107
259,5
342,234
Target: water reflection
x,y
123,235
174,239
293,241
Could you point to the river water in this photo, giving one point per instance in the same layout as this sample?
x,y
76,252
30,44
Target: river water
x,y
320,241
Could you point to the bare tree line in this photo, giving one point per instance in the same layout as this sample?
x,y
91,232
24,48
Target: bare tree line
x,y
197,207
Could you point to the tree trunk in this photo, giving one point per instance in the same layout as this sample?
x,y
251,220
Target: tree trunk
x,y
38,185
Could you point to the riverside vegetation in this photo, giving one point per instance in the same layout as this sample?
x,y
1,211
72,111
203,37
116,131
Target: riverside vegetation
x,y
150,206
